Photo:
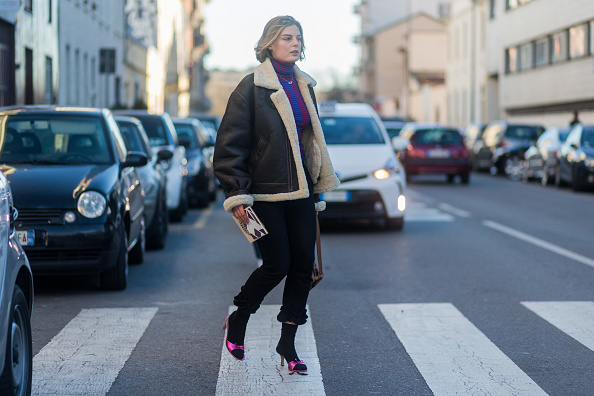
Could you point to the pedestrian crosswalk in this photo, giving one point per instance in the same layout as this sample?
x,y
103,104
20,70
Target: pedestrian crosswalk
x,y
452,354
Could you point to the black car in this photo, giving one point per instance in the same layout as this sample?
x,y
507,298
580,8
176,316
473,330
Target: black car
x,y
153,179
576,159
201,179
80,201
504,146
162,136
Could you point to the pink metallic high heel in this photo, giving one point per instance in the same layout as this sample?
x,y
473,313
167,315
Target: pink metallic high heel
x,y
292,366
231,346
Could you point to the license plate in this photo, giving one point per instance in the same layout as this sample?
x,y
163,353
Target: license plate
x,y
336,196
438,153
26,238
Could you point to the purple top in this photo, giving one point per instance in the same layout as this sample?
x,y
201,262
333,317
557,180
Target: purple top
x,y
284,71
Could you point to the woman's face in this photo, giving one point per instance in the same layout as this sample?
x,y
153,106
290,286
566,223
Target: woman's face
x,y
287,47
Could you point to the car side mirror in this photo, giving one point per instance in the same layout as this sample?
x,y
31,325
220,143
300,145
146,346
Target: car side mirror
x,y
136,159
164,155
399,143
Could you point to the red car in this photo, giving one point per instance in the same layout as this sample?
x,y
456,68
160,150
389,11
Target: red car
x,y
434,150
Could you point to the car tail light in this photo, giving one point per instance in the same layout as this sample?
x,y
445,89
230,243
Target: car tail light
x,y
415,152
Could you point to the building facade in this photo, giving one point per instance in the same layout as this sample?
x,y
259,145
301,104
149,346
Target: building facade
x,y
540,60
466,72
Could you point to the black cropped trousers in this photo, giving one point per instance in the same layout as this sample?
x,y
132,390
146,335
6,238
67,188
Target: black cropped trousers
x,y
287,252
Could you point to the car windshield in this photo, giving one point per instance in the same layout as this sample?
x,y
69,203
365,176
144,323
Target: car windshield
x,y
436,136
523,132
588,137
351,130
54,139
155,130
132,136
187,131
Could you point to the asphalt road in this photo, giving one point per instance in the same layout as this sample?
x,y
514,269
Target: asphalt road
x,y
488,289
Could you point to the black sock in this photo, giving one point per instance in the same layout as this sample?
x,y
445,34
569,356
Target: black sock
x,y
237,325
286,344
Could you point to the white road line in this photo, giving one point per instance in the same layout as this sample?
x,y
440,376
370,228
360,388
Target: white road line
x,y
539,242
453,356
453,210
574,318
87,355
260,373
203,218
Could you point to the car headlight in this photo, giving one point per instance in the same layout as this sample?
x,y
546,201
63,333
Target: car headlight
x,y
391,167
91,204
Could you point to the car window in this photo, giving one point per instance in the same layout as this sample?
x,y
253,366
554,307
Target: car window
x,y
188,131
523,132
351,130
131,136
436,136
62,139
588,137
155,130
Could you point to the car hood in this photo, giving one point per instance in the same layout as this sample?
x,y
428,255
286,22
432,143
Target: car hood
x,y
57,186
351,161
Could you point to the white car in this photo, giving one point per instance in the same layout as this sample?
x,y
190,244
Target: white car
x,y
372,179
16,303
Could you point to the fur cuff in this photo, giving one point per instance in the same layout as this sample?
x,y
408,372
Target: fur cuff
x,y
320,206
235,200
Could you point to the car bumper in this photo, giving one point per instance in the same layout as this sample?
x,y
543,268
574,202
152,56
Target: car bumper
x,y
67,250
438,166
364,199
585,175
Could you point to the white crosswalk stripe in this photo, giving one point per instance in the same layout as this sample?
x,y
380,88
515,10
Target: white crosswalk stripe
x,y
575,318
455,357
260,373
87,355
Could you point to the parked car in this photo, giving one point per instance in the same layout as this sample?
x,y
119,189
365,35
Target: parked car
x,y
540,160
372,180
576,159
153,180
208,120
504,146
393,128
162,136
16,303
79,196
433,149
473,140
201,179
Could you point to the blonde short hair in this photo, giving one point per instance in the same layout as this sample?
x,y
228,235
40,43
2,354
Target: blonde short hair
x,y
272,30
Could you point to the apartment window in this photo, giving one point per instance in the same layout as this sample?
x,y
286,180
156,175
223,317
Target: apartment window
x,y
29,94
77,78
85,82
491,9
49,83
541,52
525,56
578,41
511,60
4,75
49,7
509,4
29,5
66,81
559,46
592,37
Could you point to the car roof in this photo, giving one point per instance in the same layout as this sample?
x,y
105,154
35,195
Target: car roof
x,y
330,109
49,109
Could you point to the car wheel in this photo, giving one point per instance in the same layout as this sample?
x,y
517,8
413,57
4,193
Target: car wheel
x,y
18,363
465,178
450,178
116,278
396,223
157,239
137,253
575,183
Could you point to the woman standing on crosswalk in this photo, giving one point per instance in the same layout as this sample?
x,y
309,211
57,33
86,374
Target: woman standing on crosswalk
x,y
271,154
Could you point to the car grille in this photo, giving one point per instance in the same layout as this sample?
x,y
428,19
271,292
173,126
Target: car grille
x,y
62,255
39,216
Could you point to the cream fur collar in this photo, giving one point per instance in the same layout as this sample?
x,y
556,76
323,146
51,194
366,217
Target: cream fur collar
x,y
265,76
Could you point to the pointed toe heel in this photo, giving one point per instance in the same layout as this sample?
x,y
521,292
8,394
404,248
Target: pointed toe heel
x,y
237,351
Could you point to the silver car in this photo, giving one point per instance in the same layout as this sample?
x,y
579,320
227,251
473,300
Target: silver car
x,y
16,302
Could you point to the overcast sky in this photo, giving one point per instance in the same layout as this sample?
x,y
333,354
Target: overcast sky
x,y
234,26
